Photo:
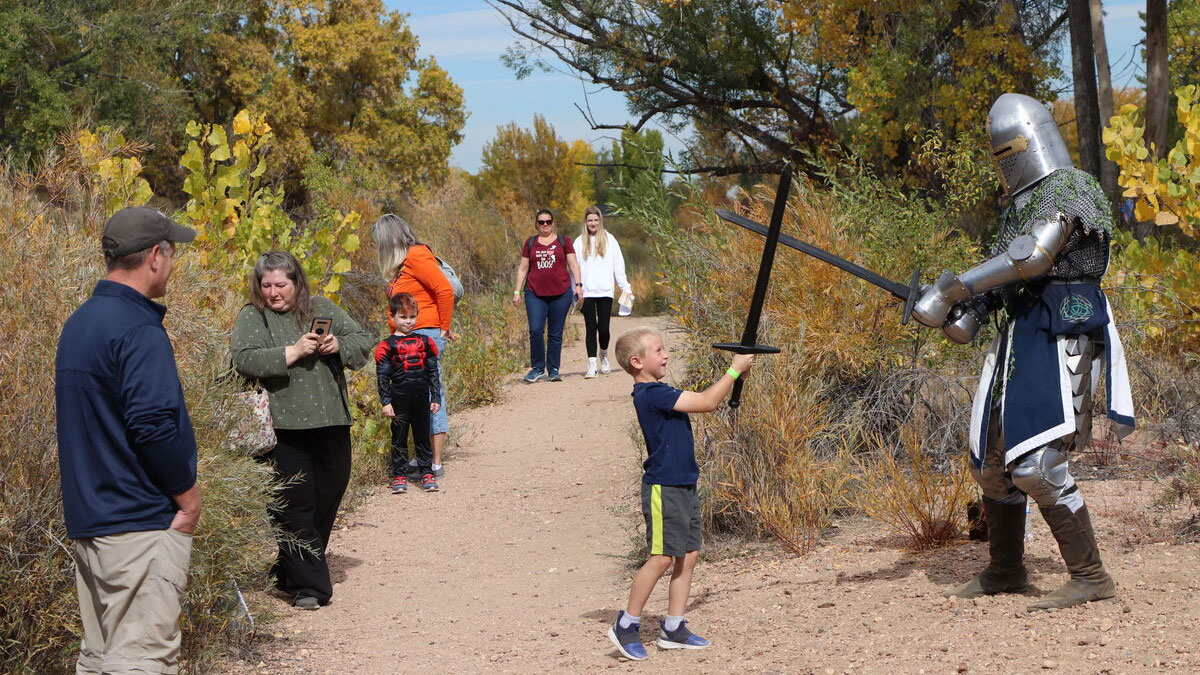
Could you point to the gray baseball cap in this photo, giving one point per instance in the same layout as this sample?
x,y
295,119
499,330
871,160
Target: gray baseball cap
x,y
137,228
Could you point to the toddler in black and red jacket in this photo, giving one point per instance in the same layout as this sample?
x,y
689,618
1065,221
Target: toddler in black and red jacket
x,y
409,387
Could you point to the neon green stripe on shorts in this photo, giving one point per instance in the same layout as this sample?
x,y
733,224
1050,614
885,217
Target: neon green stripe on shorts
x,y
656,520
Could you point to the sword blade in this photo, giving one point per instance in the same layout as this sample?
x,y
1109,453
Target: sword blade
x,y
772,233
899,290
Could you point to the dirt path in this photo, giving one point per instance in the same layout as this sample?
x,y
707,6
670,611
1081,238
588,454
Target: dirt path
x,y
517,566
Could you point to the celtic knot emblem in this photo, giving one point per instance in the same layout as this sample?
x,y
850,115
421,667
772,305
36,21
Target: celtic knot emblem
x,y
1075,309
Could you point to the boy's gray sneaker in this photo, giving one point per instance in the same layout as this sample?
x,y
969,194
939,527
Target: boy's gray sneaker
x,y
680,638
534,375
628,640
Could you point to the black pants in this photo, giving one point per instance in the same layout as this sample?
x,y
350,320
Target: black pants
x,y
596,312
411,412
315,464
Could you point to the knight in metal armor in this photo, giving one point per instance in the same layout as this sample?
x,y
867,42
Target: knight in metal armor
x,y
1033,406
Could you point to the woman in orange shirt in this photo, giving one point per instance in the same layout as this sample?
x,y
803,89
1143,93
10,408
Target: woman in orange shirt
x,y
409,263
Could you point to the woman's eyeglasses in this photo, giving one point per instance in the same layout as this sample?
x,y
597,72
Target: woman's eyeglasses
x,y
544,222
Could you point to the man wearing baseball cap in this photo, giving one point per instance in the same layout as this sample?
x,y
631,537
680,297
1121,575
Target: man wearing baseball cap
x,y
127,454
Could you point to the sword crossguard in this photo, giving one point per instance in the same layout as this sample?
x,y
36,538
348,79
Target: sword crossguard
x,y
739,348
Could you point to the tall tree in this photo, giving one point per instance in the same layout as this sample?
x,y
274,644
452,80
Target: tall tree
x,y
346,81
1157,80
538,170
782,79
1108,169
340,78
1183,51
113,61
638,160
1083,67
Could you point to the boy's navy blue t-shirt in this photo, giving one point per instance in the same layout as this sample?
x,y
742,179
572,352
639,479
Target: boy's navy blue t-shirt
x,y
670,447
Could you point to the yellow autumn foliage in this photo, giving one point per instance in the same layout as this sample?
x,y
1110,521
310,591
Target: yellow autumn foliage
x,y
1166,191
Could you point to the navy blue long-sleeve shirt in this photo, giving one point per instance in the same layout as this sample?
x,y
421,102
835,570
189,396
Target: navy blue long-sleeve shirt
x,y
125,440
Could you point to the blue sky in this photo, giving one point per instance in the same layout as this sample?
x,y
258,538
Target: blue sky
x,y
468,36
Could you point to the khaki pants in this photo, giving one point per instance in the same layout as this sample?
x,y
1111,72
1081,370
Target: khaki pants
x,y
130,589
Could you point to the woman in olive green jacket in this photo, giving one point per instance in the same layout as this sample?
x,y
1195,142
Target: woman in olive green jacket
x,y
280,340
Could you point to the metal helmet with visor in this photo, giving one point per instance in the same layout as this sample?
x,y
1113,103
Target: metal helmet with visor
x,y
1026,143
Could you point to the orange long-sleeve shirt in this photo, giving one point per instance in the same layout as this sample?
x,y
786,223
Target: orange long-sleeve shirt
x,y
421,277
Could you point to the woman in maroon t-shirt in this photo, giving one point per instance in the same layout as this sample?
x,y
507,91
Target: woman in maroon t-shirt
x,y
545,274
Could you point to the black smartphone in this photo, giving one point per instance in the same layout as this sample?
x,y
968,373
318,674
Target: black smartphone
x,y
321,325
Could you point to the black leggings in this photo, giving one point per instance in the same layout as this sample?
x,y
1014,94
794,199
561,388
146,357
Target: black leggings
x,y
596,312
411,412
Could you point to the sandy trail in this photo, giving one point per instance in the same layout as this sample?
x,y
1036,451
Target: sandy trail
x,y
517,566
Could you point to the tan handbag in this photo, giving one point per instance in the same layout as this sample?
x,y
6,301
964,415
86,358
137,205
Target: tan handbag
x,y
254,431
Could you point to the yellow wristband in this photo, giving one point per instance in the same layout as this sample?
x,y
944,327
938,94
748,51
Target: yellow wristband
x,y
733,373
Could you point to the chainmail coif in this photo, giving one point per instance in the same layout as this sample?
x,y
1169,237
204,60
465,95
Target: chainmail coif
x,y
1076,194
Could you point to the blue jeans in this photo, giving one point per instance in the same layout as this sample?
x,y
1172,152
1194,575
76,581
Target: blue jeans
x,y
543,309
439,423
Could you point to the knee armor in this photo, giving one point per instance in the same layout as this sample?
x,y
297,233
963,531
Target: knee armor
x,y
1043,475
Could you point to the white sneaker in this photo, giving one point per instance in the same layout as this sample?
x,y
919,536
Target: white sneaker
x,y
591,372
604,367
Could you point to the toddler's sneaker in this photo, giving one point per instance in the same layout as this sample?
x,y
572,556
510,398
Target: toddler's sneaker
x,y
399,485
604,367
680,638
627,640
534,375
428,484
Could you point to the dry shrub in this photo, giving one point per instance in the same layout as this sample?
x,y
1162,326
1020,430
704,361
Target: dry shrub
x,y
764,464
914,497
479,239
850,380
50,261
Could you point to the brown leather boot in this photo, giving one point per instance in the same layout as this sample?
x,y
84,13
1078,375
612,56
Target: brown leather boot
x,y
1077,543
1005,572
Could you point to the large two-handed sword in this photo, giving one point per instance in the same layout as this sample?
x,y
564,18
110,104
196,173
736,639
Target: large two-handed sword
x,y
749,343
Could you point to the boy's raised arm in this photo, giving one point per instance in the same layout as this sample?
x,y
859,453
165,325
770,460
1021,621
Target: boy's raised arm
x,y
710,398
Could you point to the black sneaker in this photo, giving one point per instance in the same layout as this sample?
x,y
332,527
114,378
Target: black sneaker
x,y
627,640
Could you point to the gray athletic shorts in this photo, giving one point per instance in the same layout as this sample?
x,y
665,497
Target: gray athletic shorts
x,y
672,515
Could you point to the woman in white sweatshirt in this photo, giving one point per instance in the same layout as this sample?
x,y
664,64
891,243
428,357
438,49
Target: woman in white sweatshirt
x,y
600,261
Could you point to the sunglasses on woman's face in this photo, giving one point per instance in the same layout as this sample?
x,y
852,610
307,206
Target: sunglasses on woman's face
x,y
544,222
